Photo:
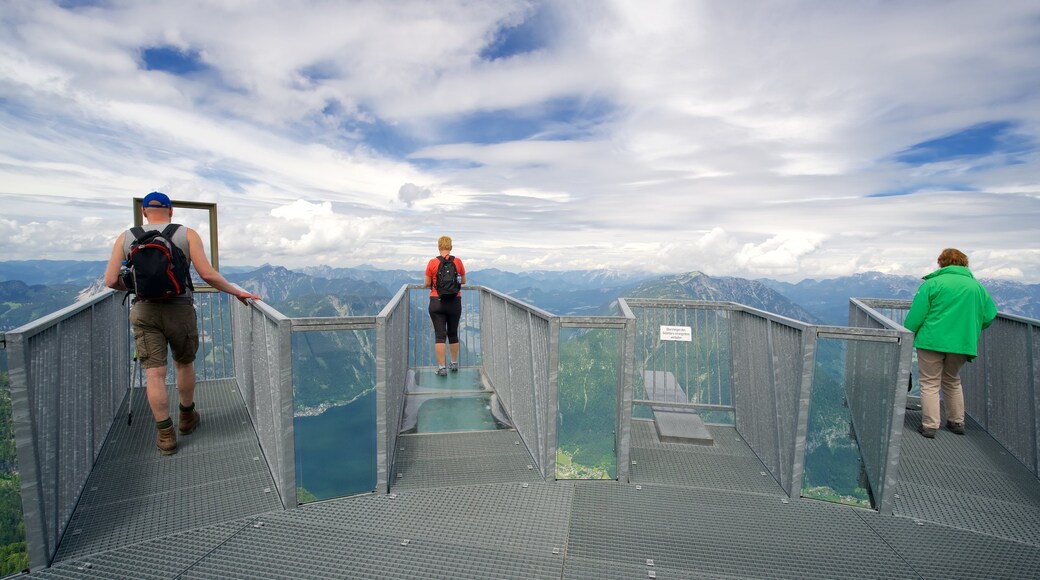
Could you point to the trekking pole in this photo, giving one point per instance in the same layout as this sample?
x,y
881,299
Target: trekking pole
x,y
136,370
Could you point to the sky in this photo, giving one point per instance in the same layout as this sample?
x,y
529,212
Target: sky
x,y
778,139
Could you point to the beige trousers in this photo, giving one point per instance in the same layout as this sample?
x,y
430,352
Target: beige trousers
x,y
940,370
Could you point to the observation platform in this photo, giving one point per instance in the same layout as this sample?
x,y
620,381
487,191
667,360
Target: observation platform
x,y
475,475
468,505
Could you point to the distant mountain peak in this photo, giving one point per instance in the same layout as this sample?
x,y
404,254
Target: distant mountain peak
x,y
700,286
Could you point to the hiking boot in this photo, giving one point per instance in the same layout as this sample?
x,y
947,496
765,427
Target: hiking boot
x,y
442,372
189,421
167,443
927,432
957,428
454,367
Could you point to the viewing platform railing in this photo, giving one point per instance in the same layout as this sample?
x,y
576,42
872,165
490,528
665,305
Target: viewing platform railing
x,y
758,371
1000,385
70,372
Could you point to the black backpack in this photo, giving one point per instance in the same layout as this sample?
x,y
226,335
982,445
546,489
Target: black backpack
x,y
447,283
155,268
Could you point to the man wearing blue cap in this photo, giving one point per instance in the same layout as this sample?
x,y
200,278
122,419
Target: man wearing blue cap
x,y
169,323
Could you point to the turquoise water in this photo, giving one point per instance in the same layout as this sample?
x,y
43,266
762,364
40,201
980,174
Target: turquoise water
x,y
336,451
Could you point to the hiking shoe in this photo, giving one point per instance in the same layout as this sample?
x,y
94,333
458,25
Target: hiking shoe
x,y
188,421
442,372
454,367
167,443
927,432
957,428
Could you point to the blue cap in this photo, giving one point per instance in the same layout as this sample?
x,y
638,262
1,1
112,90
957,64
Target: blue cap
x,y
156,199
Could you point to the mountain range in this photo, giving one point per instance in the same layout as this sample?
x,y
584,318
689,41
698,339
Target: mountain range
x,y
33,288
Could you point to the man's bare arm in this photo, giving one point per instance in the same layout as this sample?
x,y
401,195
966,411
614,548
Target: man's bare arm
x,y
208,273
112,279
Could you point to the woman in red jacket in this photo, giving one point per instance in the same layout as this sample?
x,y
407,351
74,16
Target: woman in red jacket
x,y
445,301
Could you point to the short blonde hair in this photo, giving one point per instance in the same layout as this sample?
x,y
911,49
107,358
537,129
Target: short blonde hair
x,y
444,243
952,257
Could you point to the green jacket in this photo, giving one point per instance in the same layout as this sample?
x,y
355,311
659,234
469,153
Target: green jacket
x,y
949,312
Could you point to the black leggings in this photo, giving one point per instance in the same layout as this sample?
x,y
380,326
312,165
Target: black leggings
x,y
445,315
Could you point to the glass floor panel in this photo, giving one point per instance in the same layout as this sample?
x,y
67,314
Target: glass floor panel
x,y
465,379
452,413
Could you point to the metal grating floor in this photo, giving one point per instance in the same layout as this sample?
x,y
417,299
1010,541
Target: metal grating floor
x,y
968,482
566,530
436,460
133,494
728,464
461,510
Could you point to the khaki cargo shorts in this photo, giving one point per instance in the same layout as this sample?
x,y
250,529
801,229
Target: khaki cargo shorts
x,y
158,326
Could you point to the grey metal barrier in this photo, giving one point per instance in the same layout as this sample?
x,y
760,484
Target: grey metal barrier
x,y
772,358
1000,385
691,371
69,373
877,367
761,367
391,376
519,347
734,360
263,369
1001,393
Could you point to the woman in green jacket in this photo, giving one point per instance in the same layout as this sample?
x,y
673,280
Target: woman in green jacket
x,y
948,314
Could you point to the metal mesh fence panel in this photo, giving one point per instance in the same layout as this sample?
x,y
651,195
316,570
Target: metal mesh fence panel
x,y
1000,385
69,372
392,358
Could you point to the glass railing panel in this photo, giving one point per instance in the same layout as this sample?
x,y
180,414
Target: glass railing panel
x,y
872,371
587,401
334,413
834,469
444,413
682,357
215,357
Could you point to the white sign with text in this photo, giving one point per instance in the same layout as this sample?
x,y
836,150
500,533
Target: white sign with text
x,y
680,333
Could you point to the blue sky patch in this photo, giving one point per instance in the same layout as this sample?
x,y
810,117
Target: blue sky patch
x,y
527,36
993,138
73,4
376,134
556,120
912,189
235,181
318,72
172,60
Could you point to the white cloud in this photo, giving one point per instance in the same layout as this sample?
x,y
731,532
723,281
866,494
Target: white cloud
x,y
732,138
411,193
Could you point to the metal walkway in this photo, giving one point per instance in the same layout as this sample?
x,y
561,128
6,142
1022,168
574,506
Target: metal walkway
x,y
466,506
968,482
133,494
729,464
455,459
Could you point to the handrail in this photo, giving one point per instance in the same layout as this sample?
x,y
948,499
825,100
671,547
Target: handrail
x,y
519,356
768,368
59,426
1001,387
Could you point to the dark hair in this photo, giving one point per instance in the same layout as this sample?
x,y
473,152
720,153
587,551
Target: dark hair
x,y
952,257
